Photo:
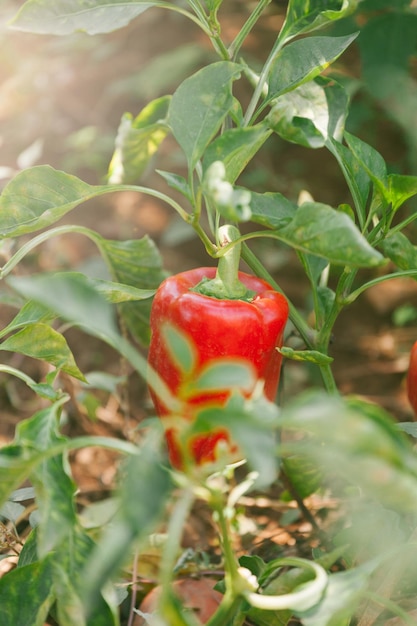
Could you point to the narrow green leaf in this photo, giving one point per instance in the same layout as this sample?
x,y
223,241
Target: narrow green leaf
x,y
64,17
235,148
40,341
26,594
143,493
182,350
177,182
325,232
199,106
303,60
311,356
111,291
137,141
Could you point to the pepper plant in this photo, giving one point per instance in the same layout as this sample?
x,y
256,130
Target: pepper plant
x,y
318,441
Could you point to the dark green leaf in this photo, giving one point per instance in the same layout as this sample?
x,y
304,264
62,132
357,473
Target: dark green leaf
x,y
325,232
137,141
199,106
64,17
371,161
272,210
235,148
54,488
26,594
356,177
177,182
303,60
138,263
400,250
40,341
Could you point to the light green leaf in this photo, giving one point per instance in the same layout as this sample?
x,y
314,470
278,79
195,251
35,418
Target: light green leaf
x,y
137,141
38,197
310,114
224,374
40,341
325,232
30,313
181,349
64,17
72,299
341,598
235,148
199,106
303,60
111,291
400,189
177,182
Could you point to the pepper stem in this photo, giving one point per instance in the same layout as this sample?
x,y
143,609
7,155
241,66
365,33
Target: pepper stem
x,y
226,284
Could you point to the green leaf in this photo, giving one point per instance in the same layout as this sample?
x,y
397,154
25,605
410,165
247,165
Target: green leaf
x,y
64,17
224,374
199,106
371,161
111,291
309,356
252,425
39,196
15,467
304,16
400,189
40,341
177,182
271,209
235,148
26,594
30,313
135,262
137,141
143,493
343,593
303,60
181,349
400,250
310,114
325,232
54,488
71,298
356,177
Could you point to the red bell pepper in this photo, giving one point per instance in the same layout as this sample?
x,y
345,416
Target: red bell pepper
x,y
243,330
412,379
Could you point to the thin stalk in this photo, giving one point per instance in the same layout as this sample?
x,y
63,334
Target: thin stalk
x,y
247,27
261,83
173,541
307,333
371,283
